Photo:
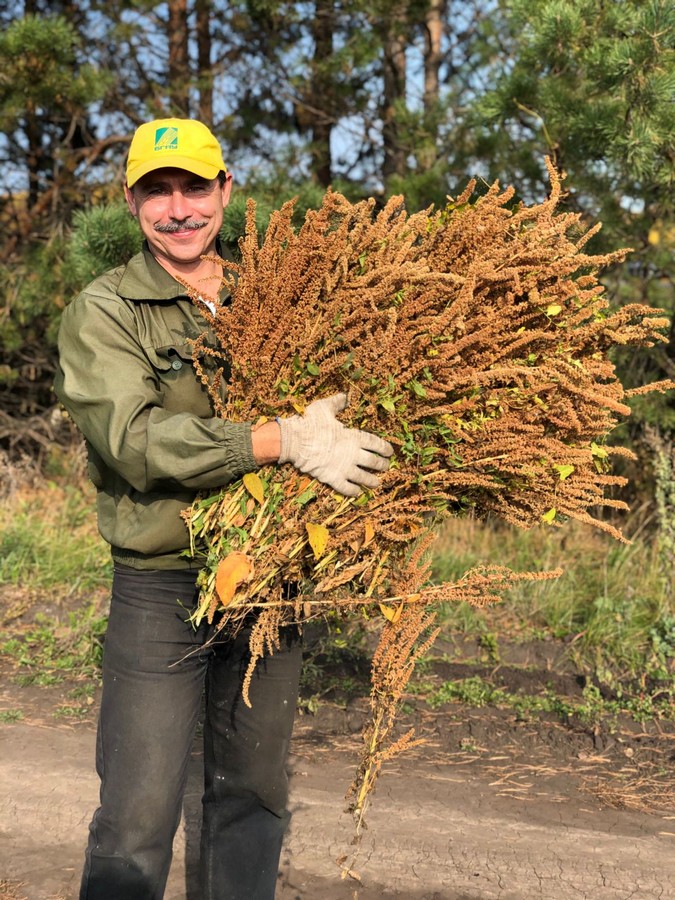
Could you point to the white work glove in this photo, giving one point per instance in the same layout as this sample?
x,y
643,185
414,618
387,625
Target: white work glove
x,y
317,444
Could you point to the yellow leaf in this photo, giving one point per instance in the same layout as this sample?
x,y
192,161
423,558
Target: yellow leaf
x,y
393,615
255,487
318,538
369,532
232,571
549,516
564,471
553,309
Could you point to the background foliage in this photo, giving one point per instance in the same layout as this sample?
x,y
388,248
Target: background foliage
x,y
373,98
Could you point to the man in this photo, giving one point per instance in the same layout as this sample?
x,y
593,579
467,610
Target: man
x,y
127,380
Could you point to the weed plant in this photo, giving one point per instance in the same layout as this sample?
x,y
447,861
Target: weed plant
x,y
588,710
49,650
476,338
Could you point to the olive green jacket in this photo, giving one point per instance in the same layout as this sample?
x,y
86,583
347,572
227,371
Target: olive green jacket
x,y
127,380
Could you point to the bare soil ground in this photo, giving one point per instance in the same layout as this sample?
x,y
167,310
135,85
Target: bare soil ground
x,y
493,805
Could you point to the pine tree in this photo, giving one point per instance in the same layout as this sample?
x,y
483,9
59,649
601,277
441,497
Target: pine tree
x,y
45,94
592,84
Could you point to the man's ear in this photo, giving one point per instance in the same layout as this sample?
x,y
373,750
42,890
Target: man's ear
x,y
131,200
226,189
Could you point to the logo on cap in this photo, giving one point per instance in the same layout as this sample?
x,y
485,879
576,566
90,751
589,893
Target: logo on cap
x,y
166,139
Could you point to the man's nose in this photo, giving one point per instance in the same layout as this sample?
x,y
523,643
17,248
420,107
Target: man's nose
x,y
179,206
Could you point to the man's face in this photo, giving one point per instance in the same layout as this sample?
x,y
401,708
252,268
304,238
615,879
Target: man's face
x,y
179,213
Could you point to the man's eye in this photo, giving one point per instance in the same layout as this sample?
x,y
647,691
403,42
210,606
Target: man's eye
x,y
199,189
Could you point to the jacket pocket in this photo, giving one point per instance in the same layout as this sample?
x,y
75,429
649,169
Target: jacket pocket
x,y
170,357
181,389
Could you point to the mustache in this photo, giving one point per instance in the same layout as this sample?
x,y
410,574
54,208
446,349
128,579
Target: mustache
x,y
190,224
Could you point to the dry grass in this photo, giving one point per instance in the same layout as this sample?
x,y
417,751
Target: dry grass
x,y
11,890
646,791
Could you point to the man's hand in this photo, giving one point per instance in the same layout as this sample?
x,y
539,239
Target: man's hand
x,y
317,444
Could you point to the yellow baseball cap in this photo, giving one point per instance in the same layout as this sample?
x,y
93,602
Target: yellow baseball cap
x,y
174,143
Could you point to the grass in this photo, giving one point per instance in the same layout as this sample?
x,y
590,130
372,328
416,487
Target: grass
x,y
48,652
611,608
49,542
55,571
590,708
611,611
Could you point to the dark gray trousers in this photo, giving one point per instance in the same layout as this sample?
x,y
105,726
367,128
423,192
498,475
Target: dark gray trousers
x,y
154,672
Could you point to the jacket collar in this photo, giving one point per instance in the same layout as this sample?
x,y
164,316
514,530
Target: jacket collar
x,y
145,279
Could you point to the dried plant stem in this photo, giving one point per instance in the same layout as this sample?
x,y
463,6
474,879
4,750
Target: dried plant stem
x,y
476,338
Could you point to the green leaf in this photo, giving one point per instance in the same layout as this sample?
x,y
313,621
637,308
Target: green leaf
x,y
313,369
564,471
305,497
549,516
417,388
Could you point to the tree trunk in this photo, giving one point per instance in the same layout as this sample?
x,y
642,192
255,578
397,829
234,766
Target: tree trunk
x,y
322,121
434,20
204,70
394,87
34,156
179,60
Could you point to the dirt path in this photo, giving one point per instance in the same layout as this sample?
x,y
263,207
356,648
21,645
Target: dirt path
x,y
490,808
